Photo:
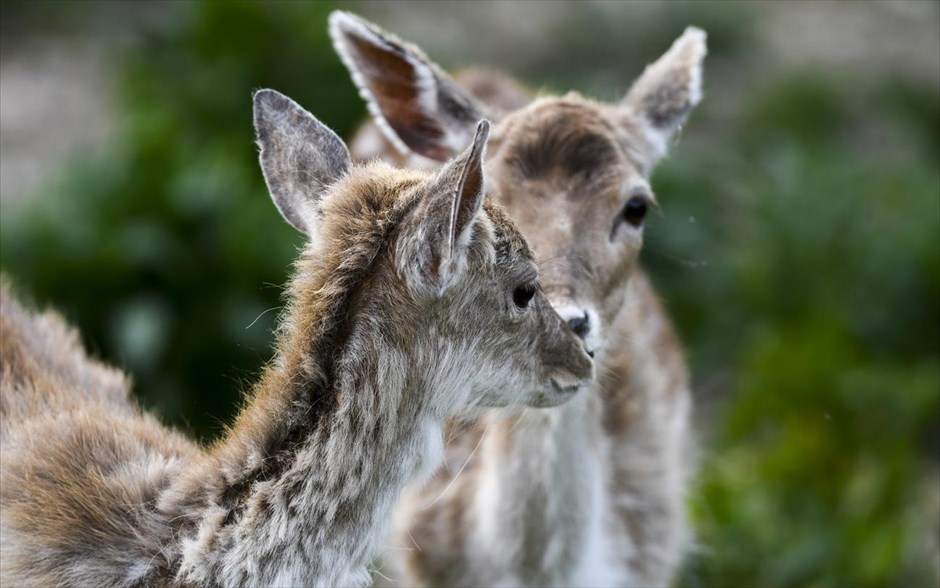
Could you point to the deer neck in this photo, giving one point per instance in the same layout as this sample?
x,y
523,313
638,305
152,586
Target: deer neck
x,y
302,488
541,482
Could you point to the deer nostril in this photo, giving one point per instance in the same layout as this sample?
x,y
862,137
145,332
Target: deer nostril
x,y
580,325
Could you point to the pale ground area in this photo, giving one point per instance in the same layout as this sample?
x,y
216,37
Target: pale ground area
x,y
865,37
869,37
54,104
55,90
56,99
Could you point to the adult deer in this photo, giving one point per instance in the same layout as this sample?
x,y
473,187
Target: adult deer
x,y
591,493
413,299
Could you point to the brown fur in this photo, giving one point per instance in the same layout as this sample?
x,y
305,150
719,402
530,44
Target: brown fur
x,y
81,466
510,507
375,348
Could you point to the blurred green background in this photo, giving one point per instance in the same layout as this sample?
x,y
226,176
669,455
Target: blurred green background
x,y
798,251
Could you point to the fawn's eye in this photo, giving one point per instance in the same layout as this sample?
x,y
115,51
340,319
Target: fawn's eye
x,y
634,211
522,295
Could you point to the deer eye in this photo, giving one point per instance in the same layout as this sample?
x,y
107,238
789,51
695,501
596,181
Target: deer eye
x,y
522,295
634,211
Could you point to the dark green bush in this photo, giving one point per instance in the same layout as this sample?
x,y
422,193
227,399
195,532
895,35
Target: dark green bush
x,y
167,249
811,298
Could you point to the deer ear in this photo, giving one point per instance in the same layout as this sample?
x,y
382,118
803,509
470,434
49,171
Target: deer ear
x,y
467,197
300,157
667,90
441,242
418,106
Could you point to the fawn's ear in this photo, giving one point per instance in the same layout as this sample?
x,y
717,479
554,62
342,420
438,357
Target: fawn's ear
x,y
300,157
667,90
418,107
440,242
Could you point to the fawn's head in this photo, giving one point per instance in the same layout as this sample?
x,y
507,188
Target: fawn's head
x,y
417,265
572,172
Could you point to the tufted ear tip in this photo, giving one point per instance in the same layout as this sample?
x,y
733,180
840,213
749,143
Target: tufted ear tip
x,y
300,156
695,35
267,105
417,106
480,138
340,22
342,26
483,131
266,101
266,96
692,45
669,88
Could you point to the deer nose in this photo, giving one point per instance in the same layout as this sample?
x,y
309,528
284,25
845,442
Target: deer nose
x,y
581,325
584,323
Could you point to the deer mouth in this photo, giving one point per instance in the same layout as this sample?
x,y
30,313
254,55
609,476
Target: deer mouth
x,y
566,386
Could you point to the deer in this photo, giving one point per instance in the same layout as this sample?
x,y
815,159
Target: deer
x,y
414,298
590,493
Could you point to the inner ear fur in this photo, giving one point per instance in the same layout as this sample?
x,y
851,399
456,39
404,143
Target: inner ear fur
x,y
440,243
418,106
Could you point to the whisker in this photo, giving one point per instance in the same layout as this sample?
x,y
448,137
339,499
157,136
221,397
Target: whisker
x,y
460,471
261,315
376,571
413,541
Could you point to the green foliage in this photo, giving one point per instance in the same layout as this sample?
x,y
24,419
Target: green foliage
x,y
814,289
798,252
166,249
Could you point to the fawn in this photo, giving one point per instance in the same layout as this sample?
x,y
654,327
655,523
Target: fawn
x,y
414,298
590,493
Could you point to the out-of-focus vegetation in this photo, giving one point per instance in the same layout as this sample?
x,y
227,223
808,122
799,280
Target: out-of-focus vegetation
x,y
167,250
815,303
799,254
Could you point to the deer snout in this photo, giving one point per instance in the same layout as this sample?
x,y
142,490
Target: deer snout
x,y
584,323
576,372
581,325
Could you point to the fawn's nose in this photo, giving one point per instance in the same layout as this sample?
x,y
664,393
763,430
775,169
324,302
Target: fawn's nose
x,y
584,324
581,325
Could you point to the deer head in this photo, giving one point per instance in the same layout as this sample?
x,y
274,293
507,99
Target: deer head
x,y
572,172
448,274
